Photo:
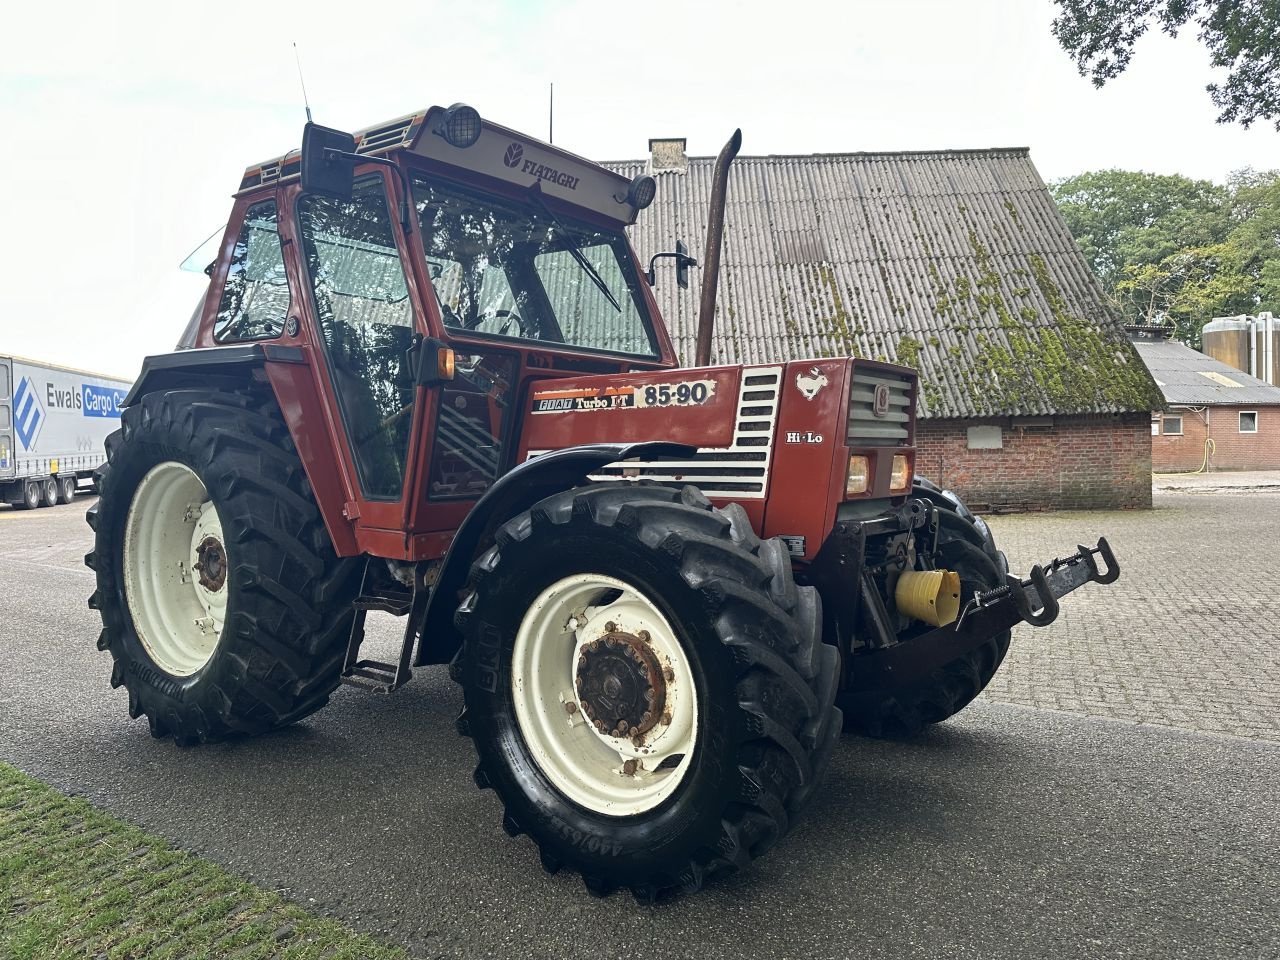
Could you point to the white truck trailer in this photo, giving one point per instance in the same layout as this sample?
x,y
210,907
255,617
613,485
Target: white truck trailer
x,y
53,422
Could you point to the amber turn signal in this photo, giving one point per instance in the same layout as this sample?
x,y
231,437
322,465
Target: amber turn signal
x,y
445,363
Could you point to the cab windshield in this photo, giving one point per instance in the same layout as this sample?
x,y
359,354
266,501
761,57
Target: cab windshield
x,y
506,269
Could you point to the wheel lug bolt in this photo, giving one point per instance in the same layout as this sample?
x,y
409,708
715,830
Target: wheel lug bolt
x,y
668,674
610,627
643,635
570,707
629,768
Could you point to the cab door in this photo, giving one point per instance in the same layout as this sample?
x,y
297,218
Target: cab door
x,y
363,303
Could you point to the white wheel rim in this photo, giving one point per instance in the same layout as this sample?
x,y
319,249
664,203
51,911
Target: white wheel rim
x,y
175,584
614,775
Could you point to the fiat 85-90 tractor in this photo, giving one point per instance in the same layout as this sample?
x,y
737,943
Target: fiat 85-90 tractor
x,y
429,378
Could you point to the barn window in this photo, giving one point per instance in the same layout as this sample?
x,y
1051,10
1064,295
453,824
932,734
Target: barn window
x,y
1172,426
1248,421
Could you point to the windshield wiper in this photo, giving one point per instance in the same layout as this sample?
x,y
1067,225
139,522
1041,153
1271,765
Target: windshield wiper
x,y
536,192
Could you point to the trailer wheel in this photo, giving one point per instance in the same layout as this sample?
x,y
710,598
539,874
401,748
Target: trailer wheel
x,y
30,495
48,492
66,489
949,689
223,605
634,670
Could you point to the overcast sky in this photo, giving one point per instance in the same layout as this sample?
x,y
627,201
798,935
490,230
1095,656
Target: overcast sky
x,y
127,125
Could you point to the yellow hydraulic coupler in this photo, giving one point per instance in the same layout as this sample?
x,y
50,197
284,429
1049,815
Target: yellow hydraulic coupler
x,y
929,595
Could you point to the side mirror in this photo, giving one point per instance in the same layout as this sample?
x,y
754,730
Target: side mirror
x,y
682,264
328,161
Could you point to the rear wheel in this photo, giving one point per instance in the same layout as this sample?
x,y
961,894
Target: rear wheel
x,y
66,489
906,711
222,603
48,492
30,495
645,685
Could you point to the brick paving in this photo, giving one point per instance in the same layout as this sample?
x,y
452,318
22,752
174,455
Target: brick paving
x,y
1188,637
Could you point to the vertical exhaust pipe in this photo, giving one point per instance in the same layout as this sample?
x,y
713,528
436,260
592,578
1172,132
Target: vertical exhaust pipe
x,y
711,260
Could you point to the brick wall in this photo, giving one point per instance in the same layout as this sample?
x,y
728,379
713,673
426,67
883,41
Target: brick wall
x,y
1233,450
1055,463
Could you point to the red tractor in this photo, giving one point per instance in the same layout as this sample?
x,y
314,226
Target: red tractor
x,y
429,378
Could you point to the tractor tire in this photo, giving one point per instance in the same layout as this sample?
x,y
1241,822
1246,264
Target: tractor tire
x,y
620,602
223,605
905,712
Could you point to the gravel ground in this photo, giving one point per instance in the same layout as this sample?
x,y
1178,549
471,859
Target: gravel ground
x,y
1008,832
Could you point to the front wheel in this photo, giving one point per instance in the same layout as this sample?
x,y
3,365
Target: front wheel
x,y
222,603
645,686
970,551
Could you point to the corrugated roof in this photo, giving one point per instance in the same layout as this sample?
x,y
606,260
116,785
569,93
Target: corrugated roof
x,y
954,262
1189,377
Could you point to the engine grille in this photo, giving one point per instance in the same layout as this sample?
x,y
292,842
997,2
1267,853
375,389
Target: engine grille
x,y
867,429
740,470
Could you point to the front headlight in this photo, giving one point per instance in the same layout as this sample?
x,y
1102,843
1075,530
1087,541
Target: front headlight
x,y
858,477
900,478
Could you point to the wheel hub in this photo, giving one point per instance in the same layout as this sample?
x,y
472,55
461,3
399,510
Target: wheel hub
x,y
211,562
620,684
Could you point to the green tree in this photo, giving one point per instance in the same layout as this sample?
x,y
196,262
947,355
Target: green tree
x,y
1169,249
1256,236
1188,289
1122,218
1241,36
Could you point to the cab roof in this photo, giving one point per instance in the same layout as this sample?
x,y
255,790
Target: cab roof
x,y
500,153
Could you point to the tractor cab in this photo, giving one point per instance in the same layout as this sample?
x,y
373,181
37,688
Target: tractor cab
x,y
428,270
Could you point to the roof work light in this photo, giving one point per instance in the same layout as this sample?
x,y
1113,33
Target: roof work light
x,y
642,191
461,125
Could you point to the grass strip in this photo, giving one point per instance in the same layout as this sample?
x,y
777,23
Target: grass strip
x,y
76,883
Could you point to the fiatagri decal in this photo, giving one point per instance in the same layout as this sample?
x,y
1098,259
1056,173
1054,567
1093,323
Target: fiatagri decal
x,y
689,393
515,154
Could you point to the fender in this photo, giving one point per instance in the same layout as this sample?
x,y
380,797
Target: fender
x,y
515,491
165,371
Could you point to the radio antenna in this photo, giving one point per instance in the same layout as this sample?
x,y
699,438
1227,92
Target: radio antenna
x,y
303,83
551,116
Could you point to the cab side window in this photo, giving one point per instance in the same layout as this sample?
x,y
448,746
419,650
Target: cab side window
x,y
255,300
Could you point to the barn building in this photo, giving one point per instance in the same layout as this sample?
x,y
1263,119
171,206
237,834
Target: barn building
x,y
955,262
1215,416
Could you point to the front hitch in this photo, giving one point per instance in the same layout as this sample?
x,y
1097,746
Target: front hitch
x,y
1033,600
1037,597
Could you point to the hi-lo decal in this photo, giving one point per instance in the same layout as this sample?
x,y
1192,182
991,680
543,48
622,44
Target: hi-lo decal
x,y
655,667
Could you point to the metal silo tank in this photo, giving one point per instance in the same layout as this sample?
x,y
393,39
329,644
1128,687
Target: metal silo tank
x,y
1227,339
1267,340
